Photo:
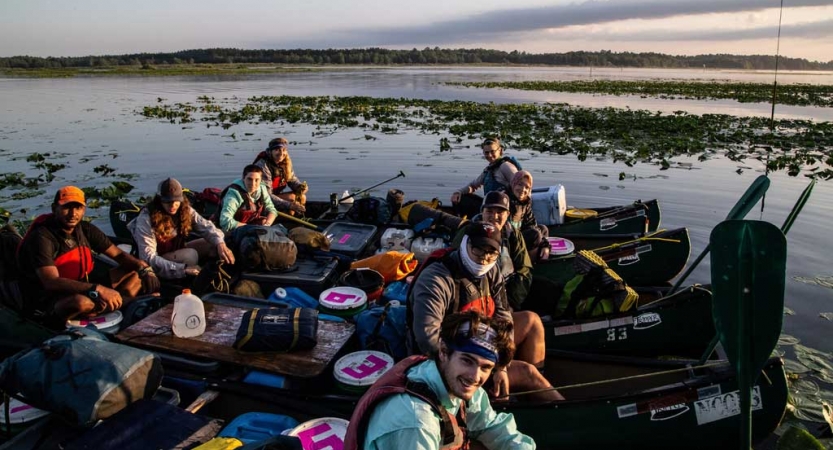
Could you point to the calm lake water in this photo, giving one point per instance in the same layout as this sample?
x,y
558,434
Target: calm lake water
x,y
94,121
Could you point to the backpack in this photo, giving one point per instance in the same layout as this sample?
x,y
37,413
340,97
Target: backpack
x,y
595,289
260,248
82,376
383,328
370,210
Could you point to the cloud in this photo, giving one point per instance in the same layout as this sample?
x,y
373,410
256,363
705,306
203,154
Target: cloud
x,y
493,24
810,30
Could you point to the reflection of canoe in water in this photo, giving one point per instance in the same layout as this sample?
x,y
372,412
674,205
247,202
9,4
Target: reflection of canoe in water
x,y
648,260
679,324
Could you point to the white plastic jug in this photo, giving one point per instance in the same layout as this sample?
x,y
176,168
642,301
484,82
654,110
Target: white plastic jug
x,y
188,319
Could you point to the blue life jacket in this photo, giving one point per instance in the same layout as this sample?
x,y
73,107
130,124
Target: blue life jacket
x,y
490,183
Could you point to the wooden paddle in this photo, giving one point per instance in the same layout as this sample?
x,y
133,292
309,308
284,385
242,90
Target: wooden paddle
x,y
754,193
748,266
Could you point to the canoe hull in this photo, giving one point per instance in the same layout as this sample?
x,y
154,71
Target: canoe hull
x,y
692,412
680,324
638,217
649,260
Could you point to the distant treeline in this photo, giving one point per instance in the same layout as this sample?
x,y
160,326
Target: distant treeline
x,y
436,55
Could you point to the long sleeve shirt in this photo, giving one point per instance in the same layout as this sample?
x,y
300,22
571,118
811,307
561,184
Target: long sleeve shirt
x,y
233,200
145,239
293,184
406,422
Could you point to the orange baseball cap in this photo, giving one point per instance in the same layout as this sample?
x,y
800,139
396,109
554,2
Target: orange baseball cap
x,y
70,194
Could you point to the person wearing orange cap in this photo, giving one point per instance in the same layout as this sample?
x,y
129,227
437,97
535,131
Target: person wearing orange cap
x,y
55,260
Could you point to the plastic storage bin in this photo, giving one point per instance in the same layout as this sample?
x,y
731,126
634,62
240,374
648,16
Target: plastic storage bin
x,y
350,239
311,275
396,239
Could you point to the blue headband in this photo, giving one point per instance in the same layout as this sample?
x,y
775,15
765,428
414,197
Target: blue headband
x,y
480,342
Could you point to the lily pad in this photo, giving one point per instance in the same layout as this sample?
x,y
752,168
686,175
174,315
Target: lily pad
x,y
786,339
828,316
793,366
788,312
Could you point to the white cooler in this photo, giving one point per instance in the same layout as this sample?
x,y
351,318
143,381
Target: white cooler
x,y
549,204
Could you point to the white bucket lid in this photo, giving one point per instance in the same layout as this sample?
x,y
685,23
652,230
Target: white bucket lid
x,y
342,298
313,433
20,412
560,246
111,319
362,368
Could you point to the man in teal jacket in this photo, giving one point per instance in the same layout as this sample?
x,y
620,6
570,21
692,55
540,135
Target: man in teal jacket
x,y
471,347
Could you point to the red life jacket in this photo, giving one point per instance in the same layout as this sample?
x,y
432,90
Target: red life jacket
x,y
75,264
393,382
247,212
278,181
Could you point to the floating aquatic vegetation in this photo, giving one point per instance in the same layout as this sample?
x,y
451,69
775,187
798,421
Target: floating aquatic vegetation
x,y
823,281
623,135
788,94
788,311
793,366
828,316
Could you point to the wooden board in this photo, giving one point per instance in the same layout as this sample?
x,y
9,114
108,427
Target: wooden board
x,y
154,332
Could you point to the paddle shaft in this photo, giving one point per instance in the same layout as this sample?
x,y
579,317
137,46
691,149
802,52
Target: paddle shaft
x,y
301,221
400,175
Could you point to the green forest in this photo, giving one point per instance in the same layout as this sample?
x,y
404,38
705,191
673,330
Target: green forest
x,y
436,55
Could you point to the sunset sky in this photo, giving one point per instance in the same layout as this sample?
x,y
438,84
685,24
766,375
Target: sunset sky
x,y
687,27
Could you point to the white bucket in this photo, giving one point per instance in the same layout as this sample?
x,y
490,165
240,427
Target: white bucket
x,y
356,371
326,432
343,301
107,323
20,413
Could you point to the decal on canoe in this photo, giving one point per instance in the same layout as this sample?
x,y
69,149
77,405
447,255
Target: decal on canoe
x,y
607,224
663,408
709,391
628,260
646,320
722,406
617,334
593,326
668,412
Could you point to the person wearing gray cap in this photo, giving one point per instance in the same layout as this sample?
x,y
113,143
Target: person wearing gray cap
x,y
161,230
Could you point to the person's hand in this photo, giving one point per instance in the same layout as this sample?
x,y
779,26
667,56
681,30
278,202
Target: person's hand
x,y
192,270
297,207
224,253
455,197
110,298
500,384
150,284
258,221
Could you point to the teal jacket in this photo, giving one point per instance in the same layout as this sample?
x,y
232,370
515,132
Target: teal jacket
x,y
404,421
233,201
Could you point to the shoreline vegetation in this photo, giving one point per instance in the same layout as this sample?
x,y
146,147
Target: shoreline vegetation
x,y
788,94
427,56
621,135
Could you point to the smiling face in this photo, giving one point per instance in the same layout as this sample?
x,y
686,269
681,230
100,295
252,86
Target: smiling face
x,y
492,152
463,373
522,189
279,154
252,182
69,215
495,216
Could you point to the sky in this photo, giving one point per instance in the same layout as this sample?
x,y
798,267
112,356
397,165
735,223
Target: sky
x,y
678,27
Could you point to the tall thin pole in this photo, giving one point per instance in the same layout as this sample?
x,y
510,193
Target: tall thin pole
x,y
774,93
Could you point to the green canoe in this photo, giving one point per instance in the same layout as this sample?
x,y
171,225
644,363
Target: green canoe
x,y
637,217
679,324
654,404
650,260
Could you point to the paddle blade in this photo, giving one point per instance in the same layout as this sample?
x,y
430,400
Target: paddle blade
x,y
749,199
748,266
799,205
